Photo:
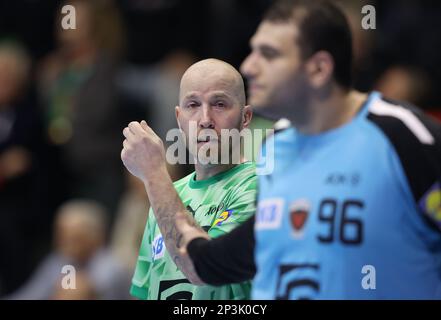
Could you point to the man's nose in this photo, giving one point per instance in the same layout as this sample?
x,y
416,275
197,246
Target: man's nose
x,y
206,121
249,67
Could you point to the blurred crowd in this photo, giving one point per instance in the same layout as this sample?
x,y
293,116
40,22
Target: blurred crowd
x,y
66,95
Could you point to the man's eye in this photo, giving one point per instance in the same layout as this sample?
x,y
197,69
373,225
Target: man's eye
x,y
220,104
269,54
192,105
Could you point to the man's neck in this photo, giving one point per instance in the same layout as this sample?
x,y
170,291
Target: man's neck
x,y
331,112
204,172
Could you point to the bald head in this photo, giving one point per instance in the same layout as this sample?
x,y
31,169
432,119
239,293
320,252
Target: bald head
x,y
80,229
83,214
213,74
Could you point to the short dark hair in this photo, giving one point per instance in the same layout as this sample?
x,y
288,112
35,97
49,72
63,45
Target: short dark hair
x,y
322,26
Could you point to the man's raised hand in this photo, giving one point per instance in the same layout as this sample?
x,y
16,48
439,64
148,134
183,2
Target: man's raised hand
x,y
143,151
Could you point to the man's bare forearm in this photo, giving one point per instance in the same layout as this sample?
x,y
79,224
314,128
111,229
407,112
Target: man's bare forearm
x,y
166,203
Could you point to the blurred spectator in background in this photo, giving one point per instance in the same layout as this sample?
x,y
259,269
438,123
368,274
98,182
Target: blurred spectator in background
x,y
130,222
80,235
83,115
408,35
84,290
407,83
156,87
404,83
22,196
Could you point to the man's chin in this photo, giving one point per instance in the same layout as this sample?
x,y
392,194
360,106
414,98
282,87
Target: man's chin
x,y
206,146
267,111
259,102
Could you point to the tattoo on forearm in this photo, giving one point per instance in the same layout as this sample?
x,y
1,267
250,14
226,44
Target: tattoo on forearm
x,y
165,217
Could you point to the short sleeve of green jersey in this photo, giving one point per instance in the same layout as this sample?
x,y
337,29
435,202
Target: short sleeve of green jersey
x,y
142,271
241,206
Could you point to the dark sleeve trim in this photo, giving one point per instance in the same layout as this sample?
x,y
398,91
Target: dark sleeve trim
x,y
421,162
226,259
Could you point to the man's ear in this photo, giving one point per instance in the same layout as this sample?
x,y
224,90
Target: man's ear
x,y
319,69
247,115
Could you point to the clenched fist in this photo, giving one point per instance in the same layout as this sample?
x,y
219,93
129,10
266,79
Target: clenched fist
x,y
143,151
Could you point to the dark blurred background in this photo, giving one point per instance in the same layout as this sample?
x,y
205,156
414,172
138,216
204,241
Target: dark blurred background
x,y
66,95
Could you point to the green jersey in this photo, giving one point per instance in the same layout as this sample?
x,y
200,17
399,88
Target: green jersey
x,y
218,205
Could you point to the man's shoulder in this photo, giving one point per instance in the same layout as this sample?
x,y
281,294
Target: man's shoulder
x,y
280,139
282,134
247,168
244,176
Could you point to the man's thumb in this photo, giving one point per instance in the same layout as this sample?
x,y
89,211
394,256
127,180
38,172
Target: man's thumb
x,y
144,125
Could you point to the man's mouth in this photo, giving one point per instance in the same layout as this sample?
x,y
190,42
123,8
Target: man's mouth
x,y
205,140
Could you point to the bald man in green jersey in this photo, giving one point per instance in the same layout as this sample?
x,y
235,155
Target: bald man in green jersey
x,y
216,196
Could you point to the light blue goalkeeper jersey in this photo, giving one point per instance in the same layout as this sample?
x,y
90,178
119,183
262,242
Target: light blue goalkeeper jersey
x,y
355,212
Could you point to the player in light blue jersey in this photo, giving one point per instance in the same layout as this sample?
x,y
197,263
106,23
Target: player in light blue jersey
x,y
352,209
